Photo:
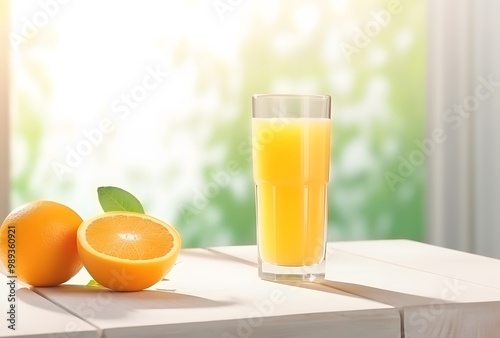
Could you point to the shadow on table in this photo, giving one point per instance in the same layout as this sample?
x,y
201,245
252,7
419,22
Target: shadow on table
x,y
99,302
393,298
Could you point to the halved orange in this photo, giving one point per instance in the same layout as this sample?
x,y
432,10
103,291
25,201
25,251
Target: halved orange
x,y
127,251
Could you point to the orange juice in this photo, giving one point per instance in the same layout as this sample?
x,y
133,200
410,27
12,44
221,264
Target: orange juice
x,y
291,164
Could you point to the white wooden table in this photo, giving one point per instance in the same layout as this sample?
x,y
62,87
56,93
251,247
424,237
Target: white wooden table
x,y
373,289
211,295
439,292
34,316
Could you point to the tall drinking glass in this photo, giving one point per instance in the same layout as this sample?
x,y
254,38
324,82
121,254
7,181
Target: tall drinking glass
x,y
291,167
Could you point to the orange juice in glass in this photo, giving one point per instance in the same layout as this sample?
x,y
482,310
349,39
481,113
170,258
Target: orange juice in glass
x,y
291,165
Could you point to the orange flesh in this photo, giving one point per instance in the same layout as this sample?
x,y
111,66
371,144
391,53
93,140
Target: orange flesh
x,y
129,238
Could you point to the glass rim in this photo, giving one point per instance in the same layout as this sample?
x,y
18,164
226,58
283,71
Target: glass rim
x,y
292,96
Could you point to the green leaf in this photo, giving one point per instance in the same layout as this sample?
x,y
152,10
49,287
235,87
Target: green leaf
x,y
93,283
116,199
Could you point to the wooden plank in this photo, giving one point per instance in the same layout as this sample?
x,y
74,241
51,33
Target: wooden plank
x,y
401,286
440,292
210,295
462,320
246,254
36,316
429,258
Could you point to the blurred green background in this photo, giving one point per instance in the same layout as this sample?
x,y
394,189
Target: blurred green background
x,y
174,145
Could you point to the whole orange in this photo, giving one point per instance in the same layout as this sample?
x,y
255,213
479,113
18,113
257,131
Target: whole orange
x,y
38,243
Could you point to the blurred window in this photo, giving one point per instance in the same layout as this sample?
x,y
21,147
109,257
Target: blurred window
x,y
154,97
